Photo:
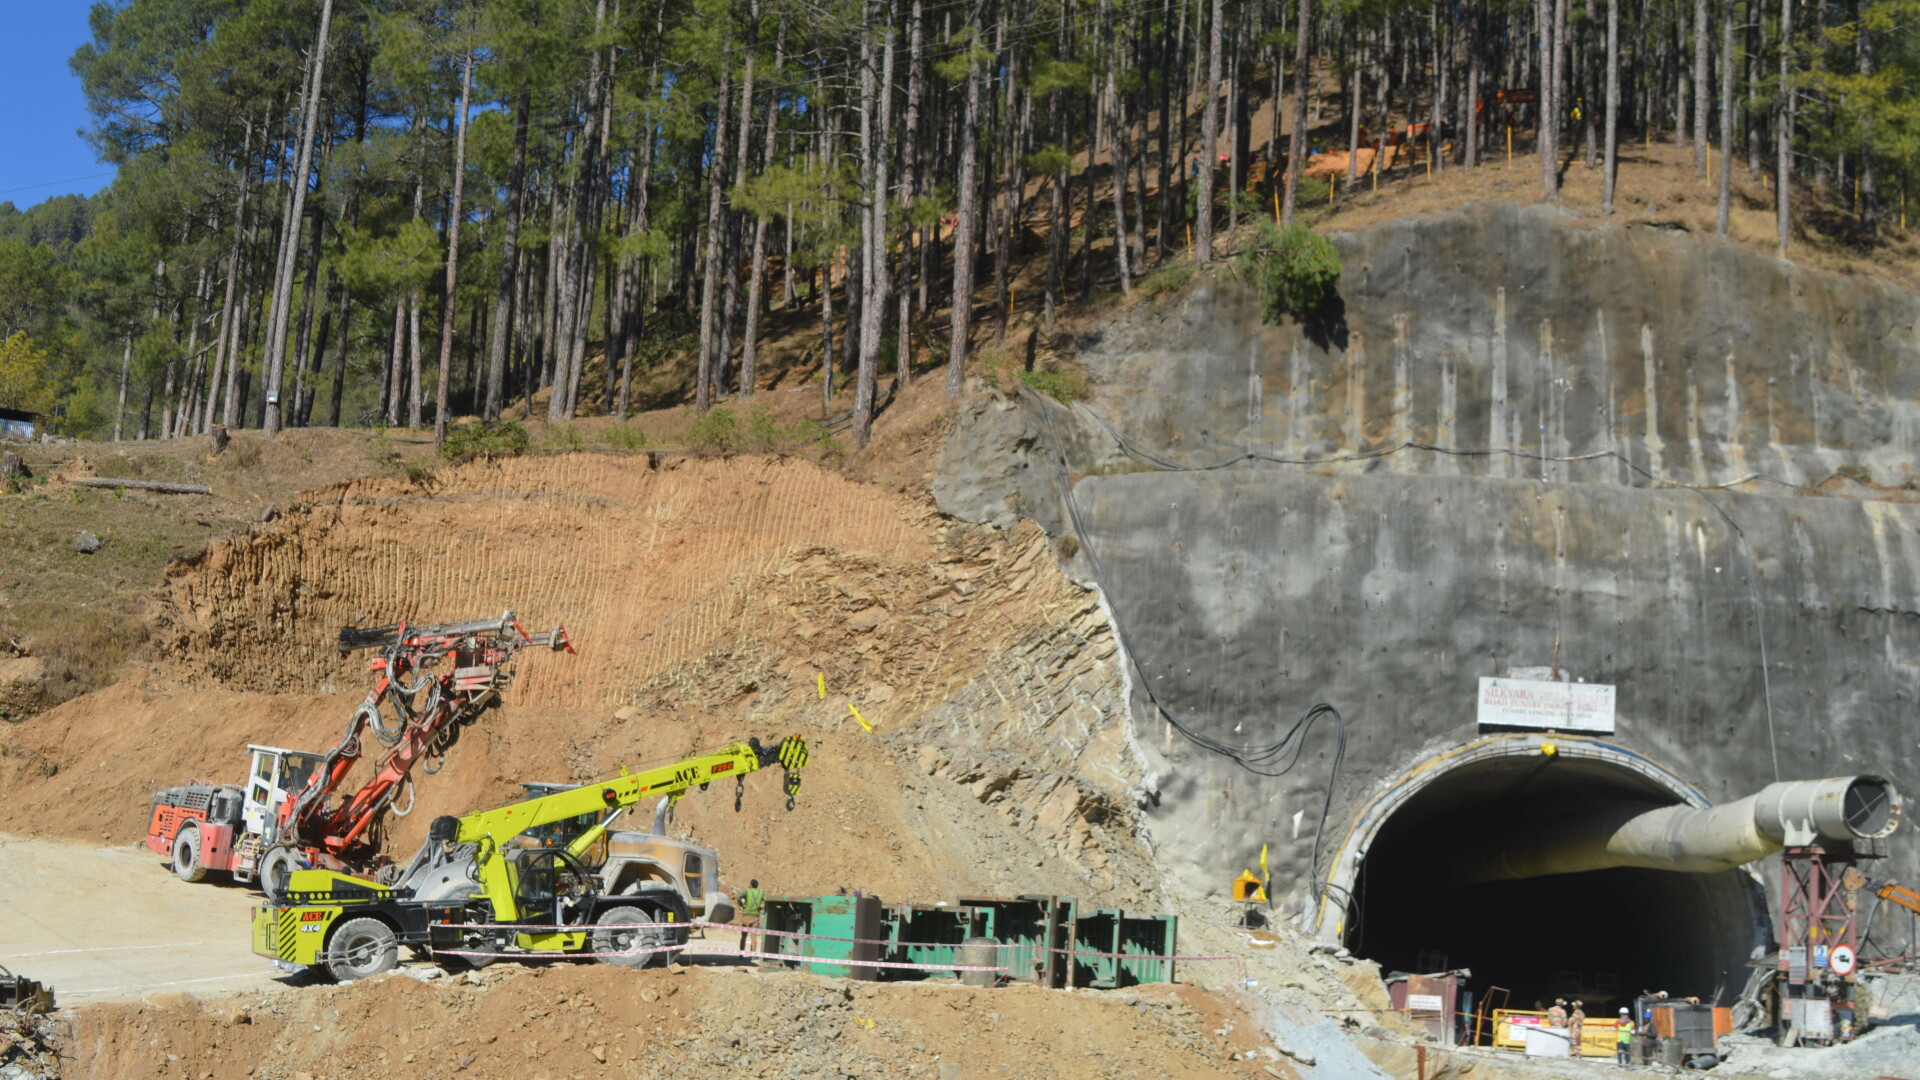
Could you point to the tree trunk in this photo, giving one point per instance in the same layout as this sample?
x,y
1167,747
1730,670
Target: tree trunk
x,y
903,340
1612,165
757,269
344,316
453,250
304,353
276,343
227,310
497,346
1117,153
1297,138
1725,179
1702,87
1553,31
1783,129
873,295
730,253
1210,139
1001,210
120,401
963,229
710,285
230,409
1476,50
1869,182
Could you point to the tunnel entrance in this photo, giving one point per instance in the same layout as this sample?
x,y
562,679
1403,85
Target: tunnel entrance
x,y
1602,936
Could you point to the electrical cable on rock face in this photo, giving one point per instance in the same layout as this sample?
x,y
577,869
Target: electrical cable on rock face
x,y
1259,760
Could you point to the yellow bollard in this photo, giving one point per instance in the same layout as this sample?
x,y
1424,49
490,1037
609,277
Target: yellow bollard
x,y
1189,238
1276,206
1330,188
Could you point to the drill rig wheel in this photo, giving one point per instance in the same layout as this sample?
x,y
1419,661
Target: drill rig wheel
x,y
362,948
275,870
186,855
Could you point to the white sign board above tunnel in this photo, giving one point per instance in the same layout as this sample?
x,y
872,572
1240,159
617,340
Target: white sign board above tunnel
x,y
1536,703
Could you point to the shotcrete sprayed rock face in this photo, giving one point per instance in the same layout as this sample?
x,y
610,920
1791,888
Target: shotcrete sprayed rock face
x,y
1590,452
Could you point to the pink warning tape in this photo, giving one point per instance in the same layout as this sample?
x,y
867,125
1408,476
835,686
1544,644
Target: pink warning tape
x,y
703,924
751,953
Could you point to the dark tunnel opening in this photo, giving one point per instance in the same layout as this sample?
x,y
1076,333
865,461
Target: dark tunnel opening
x,y
1601,936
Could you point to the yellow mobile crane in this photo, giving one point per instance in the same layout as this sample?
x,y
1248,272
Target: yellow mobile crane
x,y
470,890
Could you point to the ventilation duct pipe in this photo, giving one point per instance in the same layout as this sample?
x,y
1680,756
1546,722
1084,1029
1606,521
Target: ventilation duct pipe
x,y
1703,840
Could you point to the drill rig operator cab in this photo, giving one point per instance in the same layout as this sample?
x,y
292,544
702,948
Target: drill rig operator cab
x,y
223,827
274,775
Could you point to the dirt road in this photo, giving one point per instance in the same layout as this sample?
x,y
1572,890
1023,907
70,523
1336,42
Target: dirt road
x,y
111,924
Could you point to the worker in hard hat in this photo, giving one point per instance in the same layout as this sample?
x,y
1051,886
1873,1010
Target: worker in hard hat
x,y
1576,1021
1557,1016
1623,1038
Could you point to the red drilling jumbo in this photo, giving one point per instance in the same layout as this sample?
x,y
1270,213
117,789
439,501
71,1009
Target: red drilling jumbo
x,y
429,682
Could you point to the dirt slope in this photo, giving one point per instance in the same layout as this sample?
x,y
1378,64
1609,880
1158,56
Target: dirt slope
x,y
647,566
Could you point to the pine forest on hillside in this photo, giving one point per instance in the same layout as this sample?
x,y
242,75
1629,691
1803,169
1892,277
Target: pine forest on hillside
x,y
394,212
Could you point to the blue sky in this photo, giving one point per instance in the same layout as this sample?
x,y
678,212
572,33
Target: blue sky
x,y
41,107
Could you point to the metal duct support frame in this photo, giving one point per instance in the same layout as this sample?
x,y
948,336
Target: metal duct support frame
x,y
1705,840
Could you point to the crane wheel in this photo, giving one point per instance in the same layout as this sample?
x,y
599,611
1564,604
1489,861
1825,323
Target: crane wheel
x,y
619,938
186,855
362,948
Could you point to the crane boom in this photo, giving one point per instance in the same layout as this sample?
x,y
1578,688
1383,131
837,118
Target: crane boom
x,y
488,830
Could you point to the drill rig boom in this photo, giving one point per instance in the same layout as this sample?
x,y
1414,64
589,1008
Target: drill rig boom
x,y
280,817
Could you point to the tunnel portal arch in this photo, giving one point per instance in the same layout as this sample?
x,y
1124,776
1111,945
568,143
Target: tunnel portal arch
x,y
1393,891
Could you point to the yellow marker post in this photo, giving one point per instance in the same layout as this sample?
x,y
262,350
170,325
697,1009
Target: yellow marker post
x,y
1189,238
1276,205
820,682
1330,190
857,716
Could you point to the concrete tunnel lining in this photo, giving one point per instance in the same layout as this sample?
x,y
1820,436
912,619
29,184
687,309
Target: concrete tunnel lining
x,y
1391,898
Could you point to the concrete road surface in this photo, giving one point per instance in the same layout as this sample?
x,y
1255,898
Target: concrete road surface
x,y
114,924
